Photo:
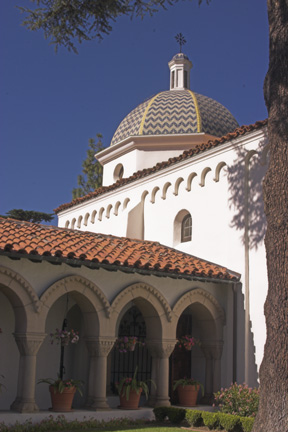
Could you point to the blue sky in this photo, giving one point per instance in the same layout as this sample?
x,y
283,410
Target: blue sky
x,y
51,104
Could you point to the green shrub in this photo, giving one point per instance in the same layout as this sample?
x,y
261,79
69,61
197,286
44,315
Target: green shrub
x,y
194,417
247,423
230,422
238,400
160,413
211,420
176,415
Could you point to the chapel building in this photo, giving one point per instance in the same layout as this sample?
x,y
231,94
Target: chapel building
x,y
170,246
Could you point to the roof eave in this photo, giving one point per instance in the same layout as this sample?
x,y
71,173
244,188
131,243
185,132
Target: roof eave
x,y
112,267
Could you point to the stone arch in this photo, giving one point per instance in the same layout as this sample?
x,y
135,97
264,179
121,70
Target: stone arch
x,y
203,176
67,223
177,185
144,195
249,156
153,194
93,216
153,306
87,295
108,211
86,219
116,208
265,155
100,214
189,181
125,203
73,223
164,190
22,297
80,218
206,300
218,170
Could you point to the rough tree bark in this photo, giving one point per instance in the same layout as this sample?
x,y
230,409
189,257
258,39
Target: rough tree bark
x,y
273,409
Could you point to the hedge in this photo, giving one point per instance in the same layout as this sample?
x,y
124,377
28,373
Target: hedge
x,y
213,420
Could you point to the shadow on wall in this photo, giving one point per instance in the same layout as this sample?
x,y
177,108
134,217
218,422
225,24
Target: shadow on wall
x,y
245,178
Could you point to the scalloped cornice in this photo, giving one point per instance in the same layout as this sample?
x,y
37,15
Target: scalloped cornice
x,y
25,286
64,283
148,290
208,300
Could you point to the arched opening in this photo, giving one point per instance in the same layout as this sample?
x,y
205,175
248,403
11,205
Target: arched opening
x,y
182,227
9,360
186,228
75,356
202,319
118,172
123,364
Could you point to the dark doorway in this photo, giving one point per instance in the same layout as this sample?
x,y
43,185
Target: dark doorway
x,y
180,359
124,364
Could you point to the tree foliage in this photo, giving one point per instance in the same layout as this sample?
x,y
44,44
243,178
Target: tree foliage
x,y
67,21
29,215
92,170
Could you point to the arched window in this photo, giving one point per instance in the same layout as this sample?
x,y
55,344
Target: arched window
x,y
182,227
186,229
118,172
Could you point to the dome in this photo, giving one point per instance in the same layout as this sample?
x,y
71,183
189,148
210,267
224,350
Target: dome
x,y
176,112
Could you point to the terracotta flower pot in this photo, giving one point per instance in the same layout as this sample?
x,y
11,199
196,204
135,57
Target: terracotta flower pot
x,y
188,395
62,402
133,401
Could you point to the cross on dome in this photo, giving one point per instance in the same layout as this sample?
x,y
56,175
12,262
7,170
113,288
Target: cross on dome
x,y
181,40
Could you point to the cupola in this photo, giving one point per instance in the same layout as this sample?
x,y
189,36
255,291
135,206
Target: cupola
x,y
180,67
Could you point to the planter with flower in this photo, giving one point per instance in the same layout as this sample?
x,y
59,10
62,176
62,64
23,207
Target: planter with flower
x,y
130,390
62,391
187,342
127,343
188,389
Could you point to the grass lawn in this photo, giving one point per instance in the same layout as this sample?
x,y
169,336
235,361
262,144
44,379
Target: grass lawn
x,y
143,429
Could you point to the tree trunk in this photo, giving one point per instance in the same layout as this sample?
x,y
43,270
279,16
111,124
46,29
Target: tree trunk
x,y
273,408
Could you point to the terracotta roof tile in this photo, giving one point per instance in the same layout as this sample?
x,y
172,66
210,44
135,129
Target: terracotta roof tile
x,y
161,165
119,253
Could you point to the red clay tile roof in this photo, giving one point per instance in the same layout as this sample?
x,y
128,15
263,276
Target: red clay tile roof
x,y
145,172
37,242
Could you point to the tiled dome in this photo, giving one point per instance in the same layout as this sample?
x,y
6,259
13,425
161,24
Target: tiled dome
x,y
176,112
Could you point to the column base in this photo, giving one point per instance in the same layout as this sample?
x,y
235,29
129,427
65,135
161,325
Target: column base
x,y
97,403
24,405
162,402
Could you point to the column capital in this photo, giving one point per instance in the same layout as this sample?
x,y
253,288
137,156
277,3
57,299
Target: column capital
x,y
29,343
161,348
99,347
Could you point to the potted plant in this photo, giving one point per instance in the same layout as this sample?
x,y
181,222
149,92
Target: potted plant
x,y
187,342
62,391
127,343
130,390
64,337
188,389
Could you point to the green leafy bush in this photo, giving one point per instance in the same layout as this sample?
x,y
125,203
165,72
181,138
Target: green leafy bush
x,y
247,423
230,422
238,400
194,417
160,413
176,415
211,420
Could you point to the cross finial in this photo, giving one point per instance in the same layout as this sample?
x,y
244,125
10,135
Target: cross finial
x,y
181,40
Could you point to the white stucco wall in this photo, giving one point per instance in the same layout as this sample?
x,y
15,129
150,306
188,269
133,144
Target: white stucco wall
x,y
212,205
